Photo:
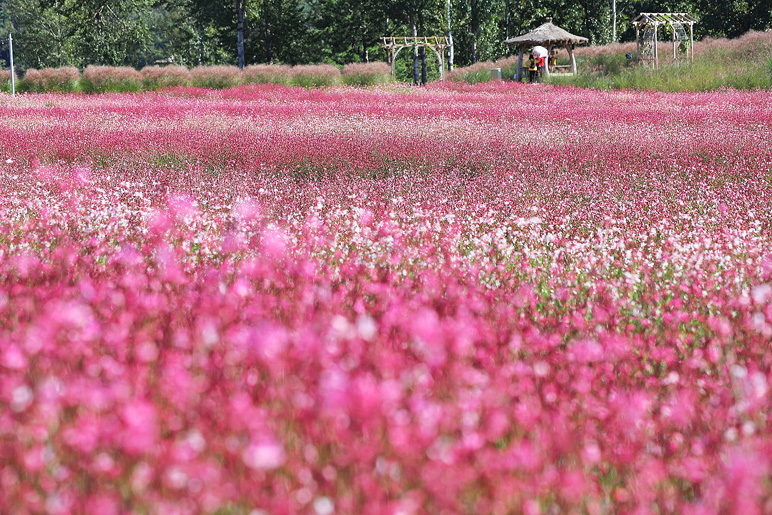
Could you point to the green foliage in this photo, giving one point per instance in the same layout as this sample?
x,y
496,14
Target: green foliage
x,y
57,33
42,34
404,66
109,32
5,81
350,30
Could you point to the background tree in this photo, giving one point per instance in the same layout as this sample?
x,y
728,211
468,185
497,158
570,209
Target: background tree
x,y
42,34
51,33
111,32
283,31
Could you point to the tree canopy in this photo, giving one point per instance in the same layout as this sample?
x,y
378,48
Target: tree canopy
x,y
50,33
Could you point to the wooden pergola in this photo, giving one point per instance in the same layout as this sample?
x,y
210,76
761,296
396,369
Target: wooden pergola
x,y
393,44
548,36
646,34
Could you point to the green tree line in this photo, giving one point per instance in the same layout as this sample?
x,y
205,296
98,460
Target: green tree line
x,y
52,33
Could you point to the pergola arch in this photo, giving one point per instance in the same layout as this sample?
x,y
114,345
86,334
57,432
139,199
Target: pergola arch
x,y
394,44
649,24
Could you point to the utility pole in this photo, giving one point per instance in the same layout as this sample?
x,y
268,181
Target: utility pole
x,y
10,50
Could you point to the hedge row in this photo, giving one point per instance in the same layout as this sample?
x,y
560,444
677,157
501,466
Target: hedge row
x,y
98,79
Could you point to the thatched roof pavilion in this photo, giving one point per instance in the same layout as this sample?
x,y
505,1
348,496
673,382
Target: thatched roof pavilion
x,y
548,36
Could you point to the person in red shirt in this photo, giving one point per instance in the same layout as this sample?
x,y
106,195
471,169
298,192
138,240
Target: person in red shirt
x,y
540,64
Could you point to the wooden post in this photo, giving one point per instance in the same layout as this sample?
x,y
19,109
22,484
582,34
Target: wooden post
x,y
547,62
691,41
573,58
637,44
519,73
656,50
672,27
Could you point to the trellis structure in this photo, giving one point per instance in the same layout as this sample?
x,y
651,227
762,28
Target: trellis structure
x,y
393,44
646,34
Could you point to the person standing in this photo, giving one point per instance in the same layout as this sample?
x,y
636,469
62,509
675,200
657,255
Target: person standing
x,y
540,65
533,68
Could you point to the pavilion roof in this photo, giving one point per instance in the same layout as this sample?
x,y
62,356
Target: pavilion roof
x,y
547,34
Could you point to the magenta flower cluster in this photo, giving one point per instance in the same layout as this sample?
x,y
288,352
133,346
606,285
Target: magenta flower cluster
x,y
460,299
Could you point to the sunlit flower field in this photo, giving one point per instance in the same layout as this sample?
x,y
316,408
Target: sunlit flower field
x,y
457,299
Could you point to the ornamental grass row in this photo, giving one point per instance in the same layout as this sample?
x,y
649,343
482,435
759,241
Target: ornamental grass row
x,y
100,79
5,81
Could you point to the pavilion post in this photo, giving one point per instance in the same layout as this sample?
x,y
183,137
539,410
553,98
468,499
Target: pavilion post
x,y
547,62
519,73
656,50
691,41
570,49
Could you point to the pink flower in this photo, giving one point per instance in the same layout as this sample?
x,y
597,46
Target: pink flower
x,y
263,455
140,431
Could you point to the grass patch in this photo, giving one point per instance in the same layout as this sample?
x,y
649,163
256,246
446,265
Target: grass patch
x,y
61,80
5,81
119,79
315,75
743,63
366,74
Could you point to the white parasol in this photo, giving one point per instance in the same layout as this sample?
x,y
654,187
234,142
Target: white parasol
x,y
540,51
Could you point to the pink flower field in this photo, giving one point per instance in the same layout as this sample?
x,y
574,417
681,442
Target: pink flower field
x,y
457,299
